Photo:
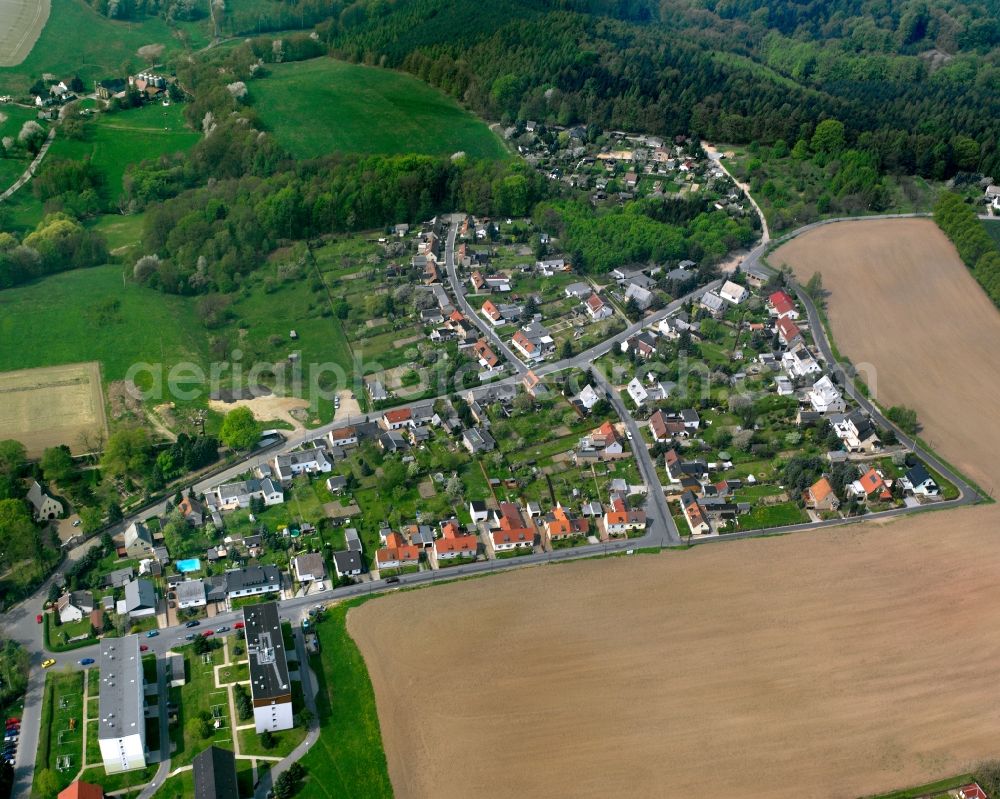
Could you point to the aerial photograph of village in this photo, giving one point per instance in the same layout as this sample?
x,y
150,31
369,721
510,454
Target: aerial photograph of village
x,y
424,399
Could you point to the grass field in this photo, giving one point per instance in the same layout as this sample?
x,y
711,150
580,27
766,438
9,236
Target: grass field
x,y
322,106
13,117
89,314
349,736
51,406
62,708
21,22
113,141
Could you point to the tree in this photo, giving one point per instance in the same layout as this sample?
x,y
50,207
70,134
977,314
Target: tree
x,y
240,430
12,455
828,137
127,452
904,418
454,489
18,536
814,286
57,464
46,784
267,740
284,786
567,349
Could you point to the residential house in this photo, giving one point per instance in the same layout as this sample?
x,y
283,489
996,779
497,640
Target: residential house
x,y
664,428
192,511
512,532
733,293
799,362
307,461
140,599
587,398
396,553
308,567
602,443
993,196
579,291
533,341
820,496
597,308
477,439
138,541
788,332
697,520
377,391
871,484
781,305
642,297
420,535
643,344
190,594
43,506
396,419
231,496
619,519
857,432
453,543
343,437
678,470
119,577
252,580
637,391
534,385
347,563
549,267
336,484
918,481
560,525
74,606
81,790
713,303
393,441
825,397
485,355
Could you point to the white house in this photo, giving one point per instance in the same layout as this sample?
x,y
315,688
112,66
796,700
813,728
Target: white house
x,y
231,496
44,506
597,308
588,397
733,292
637,392
308,461
478,510
121,713
799,362
919,482
309,567
342,437
825,398
190,594
74,606
252,580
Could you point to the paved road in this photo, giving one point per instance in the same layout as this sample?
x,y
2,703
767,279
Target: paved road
x,y
29,173
458,289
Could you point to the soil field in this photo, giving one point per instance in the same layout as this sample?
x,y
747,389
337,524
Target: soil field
x,y
902,300
21,23
839,663
51,406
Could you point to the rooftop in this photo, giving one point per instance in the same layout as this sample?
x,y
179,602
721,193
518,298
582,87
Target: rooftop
x,y
266,652
120,709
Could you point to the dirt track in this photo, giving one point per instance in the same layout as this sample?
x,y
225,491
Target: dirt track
x,y
934,343
831,664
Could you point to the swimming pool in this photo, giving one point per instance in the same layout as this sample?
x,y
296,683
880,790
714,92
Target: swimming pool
x,y
188,565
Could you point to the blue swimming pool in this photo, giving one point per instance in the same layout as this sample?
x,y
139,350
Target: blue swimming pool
x,y
188,565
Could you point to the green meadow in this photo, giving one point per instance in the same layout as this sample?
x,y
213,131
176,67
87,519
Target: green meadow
x,y
324,106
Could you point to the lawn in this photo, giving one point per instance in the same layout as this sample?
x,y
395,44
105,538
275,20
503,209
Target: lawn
x,y
764,516
198,694
62,707
358,109
77,40
92,314
349,735
284,742
112,141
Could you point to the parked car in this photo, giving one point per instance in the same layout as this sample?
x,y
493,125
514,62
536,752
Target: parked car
x,y
192,623
320,586
38,618
143,648
152,633
207,633
238,625
189,637
391,580
86,661
76,523
222,630
48,662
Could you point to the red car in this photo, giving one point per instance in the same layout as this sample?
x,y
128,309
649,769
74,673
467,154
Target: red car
x,y
207,633
238,625
38,618
143,648
13,720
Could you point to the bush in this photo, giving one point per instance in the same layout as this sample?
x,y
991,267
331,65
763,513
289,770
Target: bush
x,y
904,418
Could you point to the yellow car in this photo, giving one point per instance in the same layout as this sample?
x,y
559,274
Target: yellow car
x,y
48,662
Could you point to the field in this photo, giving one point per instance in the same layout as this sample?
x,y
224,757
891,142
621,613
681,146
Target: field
x,y
21,23
896,288
47,407
358,109
88,314
867,667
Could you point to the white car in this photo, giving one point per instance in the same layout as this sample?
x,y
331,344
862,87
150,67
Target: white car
x,y
320,586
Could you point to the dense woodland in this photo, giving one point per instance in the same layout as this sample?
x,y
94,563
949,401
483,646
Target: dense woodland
x,y
975,247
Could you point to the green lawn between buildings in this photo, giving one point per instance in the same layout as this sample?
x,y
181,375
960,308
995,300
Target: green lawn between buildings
x,y
62,706
357,109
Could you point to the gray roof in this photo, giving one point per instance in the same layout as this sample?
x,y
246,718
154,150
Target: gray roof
x,y
190,590
266,652
310,563
215,588
120,710
139,594
137,531
36,496
347,561
215,774
353,539
252,577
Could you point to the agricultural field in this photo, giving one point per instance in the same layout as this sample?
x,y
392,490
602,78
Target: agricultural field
x,y
51,406
891,283
21,23
358,109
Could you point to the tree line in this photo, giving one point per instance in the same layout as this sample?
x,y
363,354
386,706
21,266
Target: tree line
x,y
962,225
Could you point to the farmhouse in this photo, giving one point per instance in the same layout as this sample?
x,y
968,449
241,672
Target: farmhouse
x,y
43,506
121,731
270,686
